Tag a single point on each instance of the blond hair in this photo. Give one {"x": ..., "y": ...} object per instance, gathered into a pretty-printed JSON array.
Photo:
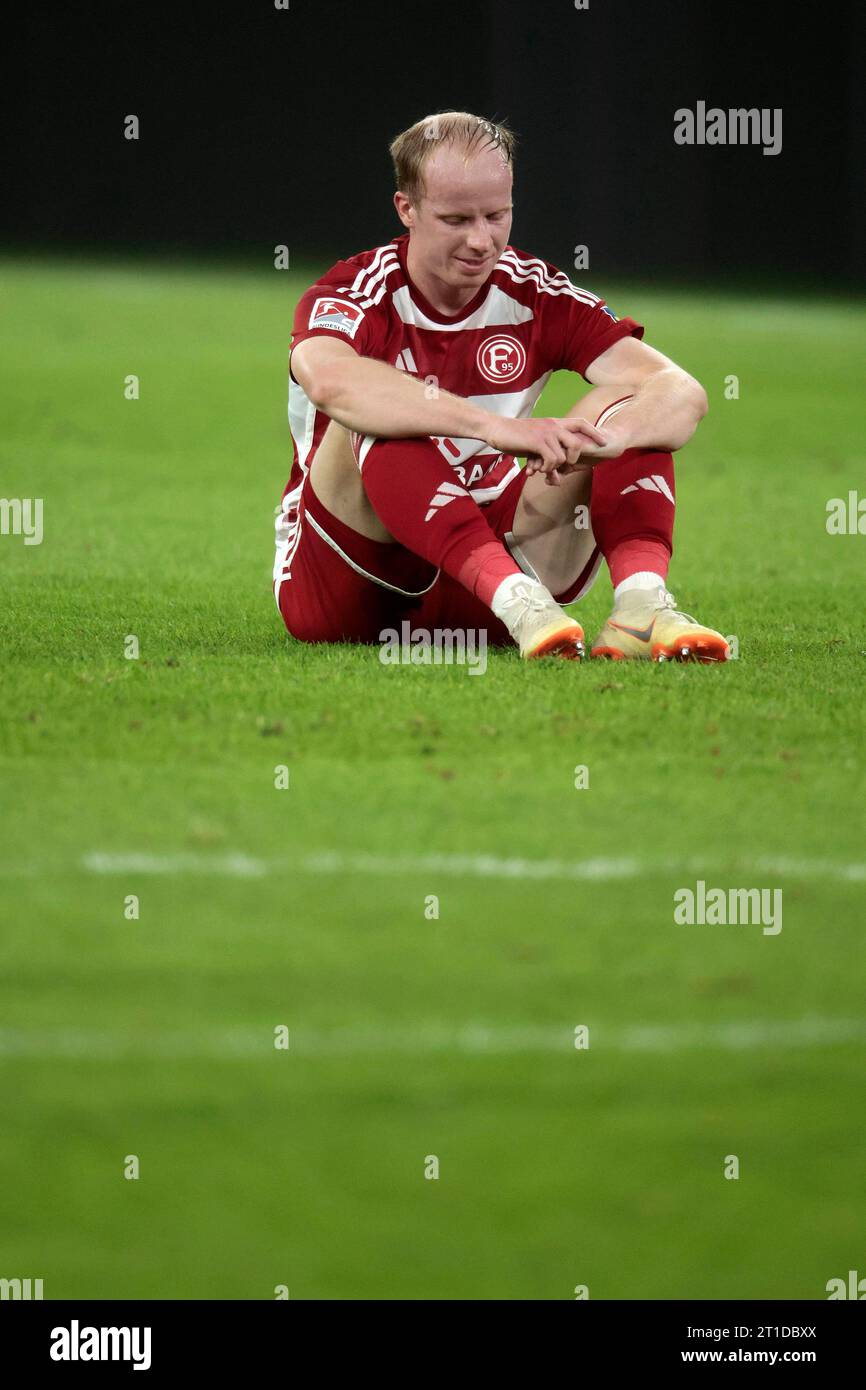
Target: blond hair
[{"x": 412, "y": 147}]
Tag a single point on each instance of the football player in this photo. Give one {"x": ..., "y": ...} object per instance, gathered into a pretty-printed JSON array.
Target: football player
[{"x": 414, "y": 371}]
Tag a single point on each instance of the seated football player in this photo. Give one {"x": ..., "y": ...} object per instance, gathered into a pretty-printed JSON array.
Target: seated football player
[{"x": 414, "y": 371}]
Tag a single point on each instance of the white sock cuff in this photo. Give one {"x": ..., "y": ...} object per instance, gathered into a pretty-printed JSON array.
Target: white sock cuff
[{"x": 644, "y": 579}]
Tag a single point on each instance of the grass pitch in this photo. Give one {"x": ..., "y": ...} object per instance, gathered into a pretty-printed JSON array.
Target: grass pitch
[{"x": 305, "y": 907}]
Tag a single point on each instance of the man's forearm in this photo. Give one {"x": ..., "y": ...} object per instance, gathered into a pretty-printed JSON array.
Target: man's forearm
[
  {"x": 371, "y": 397},
  {"x": 663, "y": 413}
]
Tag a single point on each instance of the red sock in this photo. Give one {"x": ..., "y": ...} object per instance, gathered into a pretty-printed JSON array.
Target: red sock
[
  {"x": 636, "y": 557},
  {"x": 416, "y": 495},
  {"x": 485, "y": 568},
  {"x": 632, "y": 510}
]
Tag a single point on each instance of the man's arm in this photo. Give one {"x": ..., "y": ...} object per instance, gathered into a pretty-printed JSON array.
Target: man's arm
[
  {"x": 665, "y": 408},
  {"x": 371, "y": 397},
  {"x": 667, "y": 403}
]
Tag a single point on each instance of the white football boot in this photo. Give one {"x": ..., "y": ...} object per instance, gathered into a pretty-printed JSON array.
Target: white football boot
[
  {"x": 646, "y": 624},
  {"x": 537, "y": 623}
]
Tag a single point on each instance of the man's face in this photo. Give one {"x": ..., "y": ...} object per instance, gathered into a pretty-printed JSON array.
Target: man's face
[{"x": 461, "y": 225}]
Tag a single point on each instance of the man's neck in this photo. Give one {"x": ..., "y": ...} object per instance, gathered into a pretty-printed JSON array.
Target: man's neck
[{"x": 445, "y": 298}]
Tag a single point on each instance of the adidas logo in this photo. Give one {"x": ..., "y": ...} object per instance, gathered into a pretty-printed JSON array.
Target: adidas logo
[
  {"x": 445, "y": 493},
  {"x": 654, "y": 484},
  {"x": 405, "y": 362}
]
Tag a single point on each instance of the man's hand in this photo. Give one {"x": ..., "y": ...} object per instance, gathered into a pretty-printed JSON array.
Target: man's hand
[
  {"x": 551, "y": 443},
  {"x": 594, "y": 446}
]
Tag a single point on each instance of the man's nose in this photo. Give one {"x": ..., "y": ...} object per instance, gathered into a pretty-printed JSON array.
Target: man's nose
[{"x": 479, "y": 237}]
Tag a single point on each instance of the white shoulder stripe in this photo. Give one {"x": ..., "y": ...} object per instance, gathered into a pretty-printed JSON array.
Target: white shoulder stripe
[
  {"x": 371, "y": 268},
  {"x": 367, "y": 280},
  {"x": 527, "y": 262},
  {"x": 523, "y": 268},
  {"x": 538, "y": 272},
  {"x": 375, "y": 288},
  {"x": 582, "y": 296},
  {"x": 366, "y": 298},
  {"x": 369, "y": 300}
]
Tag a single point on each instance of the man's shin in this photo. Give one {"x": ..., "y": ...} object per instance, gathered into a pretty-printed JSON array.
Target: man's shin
[{"x": 632, "y": 507}]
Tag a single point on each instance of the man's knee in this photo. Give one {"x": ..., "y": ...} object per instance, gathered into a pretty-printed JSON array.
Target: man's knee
[{"x": 337, "y": 482}]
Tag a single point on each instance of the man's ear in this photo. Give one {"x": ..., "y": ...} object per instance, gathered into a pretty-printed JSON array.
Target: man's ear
[{"x": 405, "y": 211}]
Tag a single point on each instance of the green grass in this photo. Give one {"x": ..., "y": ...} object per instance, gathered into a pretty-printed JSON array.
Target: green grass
[{"x": 155, "y": 1037}]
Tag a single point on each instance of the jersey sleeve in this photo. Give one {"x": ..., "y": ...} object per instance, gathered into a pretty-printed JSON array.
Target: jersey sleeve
[
  {"x": 579, "y": 327},
  {"x": 331, "y": 308}
]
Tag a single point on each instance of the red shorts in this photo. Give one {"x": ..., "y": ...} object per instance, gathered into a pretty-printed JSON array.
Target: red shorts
[{"x": 333, "y": 585}]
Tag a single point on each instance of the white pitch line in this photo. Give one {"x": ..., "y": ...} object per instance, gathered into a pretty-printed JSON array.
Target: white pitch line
[
  {"x": 235, "y": 864},
  {"x": 220, "y": 865},
  {"x": 852, "y": 873},
  {"x": 472, "y": 1039},
  {"x": 470, "y": 866},
  {"x": 332, "y": 862},
  {"x": 336, "y": 862}
]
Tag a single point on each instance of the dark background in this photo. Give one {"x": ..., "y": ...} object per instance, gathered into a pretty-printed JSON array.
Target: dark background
[{"x": 262, "y": 126}]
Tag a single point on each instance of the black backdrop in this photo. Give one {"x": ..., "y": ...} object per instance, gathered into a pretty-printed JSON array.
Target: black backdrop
[{"x": 262, "y": 126}]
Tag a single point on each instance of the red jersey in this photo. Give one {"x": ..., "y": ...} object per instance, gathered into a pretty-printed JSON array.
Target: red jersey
[{"x": 526, "y": 321}]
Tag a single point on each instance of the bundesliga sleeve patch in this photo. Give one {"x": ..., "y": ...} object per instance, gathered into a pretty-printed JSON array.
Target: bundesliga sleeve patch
[{"x": 340, "y": 314}]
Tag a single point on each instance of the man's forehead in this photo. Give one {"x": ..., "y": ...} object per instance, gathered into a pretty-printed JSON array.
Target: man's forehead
[{"x": 449, "y": 176}]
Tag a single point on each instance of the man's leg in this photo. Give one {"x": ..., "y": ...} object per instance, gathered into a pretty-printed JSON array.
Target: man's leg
[
  {"x": 631, "y": 504},
  {"x": 631, "y": 509},
  {"x": 551, "y": 531},
  {"x": 545, "y": 523},
  {"x": 416, "y": 496},
  {"x": 561, "y": 530},
  {"x": 333, "y": 584},
  {"x": 336, "y": 482}
]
